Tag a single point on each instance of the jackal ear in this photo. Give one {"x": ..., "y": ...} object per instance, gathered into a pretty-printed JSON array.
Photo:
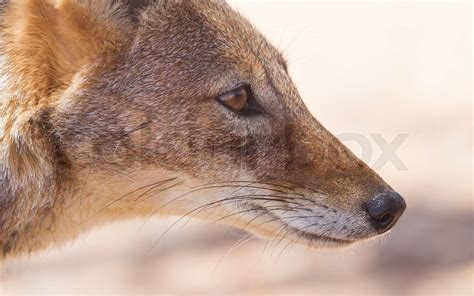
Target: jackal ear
[{"x": 48, "y": 41}]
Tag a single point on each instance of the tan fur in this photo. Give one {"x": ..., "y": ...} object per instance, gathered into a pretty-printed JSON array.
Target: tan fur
[
  {"x": 108, "y": 112},
  {"x": 46, "y": 46}
]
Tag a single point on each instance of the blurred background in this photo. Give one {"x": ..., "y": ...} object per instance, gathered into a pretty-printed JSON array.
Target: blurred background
[{"x": 362, "y": 68}]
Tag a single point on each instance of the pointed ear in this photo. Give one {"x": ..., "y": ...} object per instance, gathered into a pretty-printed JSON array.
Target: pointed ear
[{"x": 47, "y": 41}]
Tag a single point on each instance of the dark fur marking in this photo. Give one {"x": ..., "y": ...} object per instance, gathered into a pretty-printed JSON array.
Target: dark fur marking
[{"x": 134, "y": 7}]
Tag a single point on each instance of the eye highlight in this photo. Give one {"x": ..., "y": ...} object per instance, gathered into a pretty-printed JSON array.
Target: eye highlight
[{"x": 241, "y": 101}]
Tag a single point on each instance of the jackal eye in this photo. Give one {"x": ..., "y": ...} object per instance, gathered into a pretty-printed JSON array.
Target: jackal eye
[{"x": 240, "y": 100}]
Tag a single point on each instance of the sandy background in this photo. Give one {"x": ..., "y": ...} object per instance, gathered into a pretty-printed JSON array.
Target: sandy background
[{"x": 384, "y": 68}]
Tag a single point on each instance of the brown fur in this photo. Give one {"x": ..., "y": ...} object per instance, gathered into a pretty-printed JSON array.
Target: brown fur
[{"x": 109, "y": 112}]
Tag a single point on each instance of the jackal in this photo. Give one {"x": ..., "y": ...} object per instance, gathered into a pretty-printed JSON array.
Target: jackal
[{"x": 119, "y": 109}]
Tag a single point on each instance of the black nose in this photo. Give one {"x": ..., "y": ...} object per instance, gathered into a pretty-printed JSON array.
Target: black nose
[{"x": 385, "y": 209}]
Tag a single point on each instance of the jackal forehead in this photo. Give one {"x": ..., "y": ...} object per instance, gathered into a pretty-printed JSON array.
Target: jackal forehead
[{"x": 206, "y": 36}]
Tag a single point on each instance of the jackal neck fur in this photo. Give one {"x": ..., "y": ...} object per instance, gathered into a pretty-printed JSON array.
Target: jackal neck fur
[{"x": 44, "y": 47}]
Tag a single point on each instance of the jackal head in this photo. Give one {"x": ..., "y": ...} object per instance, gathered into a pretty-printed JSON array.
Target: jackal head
[{"x": 173, "y": 108}]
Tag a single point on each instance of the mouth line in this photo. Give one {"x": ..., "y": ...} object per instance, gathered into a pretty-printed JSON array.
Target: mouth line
[
  {"x": 309, "y": 236},
  {"x": 301, "y": 234},
  {"x": 312, "y": 236}
]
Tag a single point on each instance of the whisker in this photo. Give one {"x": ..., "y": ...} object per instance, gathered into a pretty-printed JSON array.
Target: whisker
[
  {"x": 291, "y": 217},
  {"x": 201, "y": 189},
  {"x": 217, "y": 203},
  {"x": 290, "y": 242},
  {"x": 270, "y": 208},
  {"x": 312, "y": 202},
  {"x": 262, "y": 183},
  {"x": 159, "y": 191},
  {"x": 277, "y": 185},
  {"x": 138, "y": 128},
  {"x": 299, "y": 185},
  {"x": 242, "y": 241},
  {"x": 154, "y": 185},
  {"x": 287, "y": 228}
]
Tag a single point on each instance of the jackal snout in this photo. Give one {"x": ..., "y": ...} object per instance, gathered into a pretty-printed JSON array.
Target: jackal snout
[{"x": 354, "y": 194}]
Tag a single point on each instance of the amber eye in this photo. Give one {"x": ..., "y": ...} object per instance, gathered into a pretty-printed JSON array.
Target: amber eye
[
  {"x": 236, "y": 100},
  {"x": 241, "y": 101}
]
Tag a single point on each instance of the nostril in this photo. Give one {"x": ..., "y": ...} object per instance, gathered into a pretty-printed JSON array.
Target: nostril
[
  {"x": 385, "y": 209},
  {"x": 386, "y": 219}
]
